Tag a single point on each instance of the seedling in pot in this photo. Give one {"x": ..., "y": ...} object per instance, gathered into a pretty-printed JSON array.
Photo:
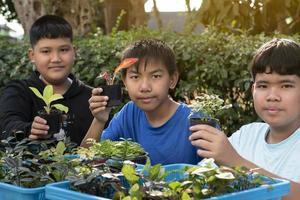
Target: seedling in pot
[
  {"x": 205, "y": 109},
  {"x": 113, "y": 91},
  {"x": 52, "y": 113}
]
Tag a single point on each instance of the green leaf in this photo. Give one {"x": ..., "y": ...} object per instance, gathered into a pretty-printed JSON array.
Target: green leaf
[
  {"x": 185, "y": 196},
  {"x": 60, "y": 148},
  {"x": 61, "y": 107},
  {"x": 36, "y": 92},
  {"x": 174, "y": 184},
  {"x": 155, "y": 171},
  {"x": 55, "y": 97},
  {"x": 47, "y": 93},
  {"x": 129, "y": 173}
]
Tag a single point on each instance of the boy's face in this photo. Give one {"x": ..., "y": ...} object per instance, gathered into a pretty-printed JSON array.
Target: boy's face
[
  {"x": 277, "y": 100},
  {"x": 53, "y": 59},
  {"x": 149, "y": 87}
]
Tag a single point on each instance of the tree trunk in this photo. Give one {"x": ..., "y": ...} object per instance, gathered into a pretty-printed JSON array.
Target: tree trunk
[
  {"x": 80, "y": 14},
  {"x": 137, "y": 15},
  {"x": 83, "y": 15},
  {"x": 157, "y": 15},
  {"x": 28, "y": 11}
]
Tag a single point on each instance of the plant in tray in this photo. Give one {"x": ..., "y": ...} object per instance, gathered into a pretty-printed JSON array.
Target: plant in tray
[
  {"x": 114, "y": 153},
  {"x": 112, "y": 90},
  {"x": 97, "y": 180},
  {"x": 32, "y": 164},
  {"x": 205, "y": 110},
  {"x": 52, "y": 113},
  {"x": 194, "y": 182}
]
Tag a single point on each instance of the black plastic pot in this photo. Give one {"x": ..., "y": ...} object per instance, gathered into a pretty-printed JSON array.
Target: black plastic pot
[
  {"x": 201, "y": 118},
  {"x": 54, "y": 121},
  {"x": 114, "y": 93}
]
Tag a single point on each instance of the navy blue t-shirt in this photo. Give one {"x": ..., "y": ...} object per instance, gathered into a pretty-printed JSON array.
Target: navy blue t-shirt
[{"x": 166, "y": 144}]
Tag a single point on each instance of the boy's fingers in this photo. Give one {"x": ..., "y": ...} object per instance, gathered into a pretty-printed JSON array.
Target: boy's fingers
[
  {"x": 203, "y": 144},
  {"x": 39, "y": 120},
  {"x": 97, "y": 91},
  {"x": 202, "y": 134},
  {"x": 40, "y": 126},
  {"x": 97, "y": 99},
  {"x": 40, "y": 131},
  {"x": 204, "y": 153}
]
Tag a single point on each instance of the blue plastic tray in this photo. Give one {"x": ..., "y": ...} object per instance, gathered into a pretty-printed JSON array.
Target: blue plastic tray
[
  {"x": 62, "y": 191},
  {"x": 12, "y": 192},
  {"x": 279, "y": 188}
]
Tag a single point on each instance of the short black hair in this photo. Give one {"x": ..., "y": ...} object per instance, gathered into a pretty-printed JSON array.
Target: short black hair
[
  {"x": 151, "y": 49},
  {"x": 51, "y": 27},
  {"x": 281, "y": 56}
]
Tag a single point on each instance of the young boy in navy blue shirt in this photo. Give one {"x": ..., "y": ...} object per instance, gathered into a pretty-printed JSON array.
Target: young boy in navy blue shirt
[{"x": 152, "y": 118}]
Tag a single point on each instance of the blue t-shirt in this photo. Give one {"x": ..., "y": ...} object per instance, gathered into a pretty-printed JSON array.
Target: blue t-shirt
[{"x": 166, "y": 144}]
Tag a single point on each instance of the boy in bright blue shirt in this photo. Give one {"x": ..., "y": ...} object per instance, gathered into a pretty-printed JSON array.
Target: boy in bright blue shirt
[{"x": 152, "y": 118}]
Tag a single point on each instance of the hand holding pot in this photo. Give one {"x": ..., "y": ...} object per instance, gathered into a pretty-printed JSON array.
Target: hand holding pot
[
  {"x": 213, "y": 143},
  {"x": 98, "y": 105},
  {"x": 39, "y": 128}
]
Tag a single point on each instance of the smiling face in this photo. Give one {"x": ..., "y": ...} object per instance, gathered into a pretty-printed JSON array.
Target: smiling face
[
  {"x": 149, "y": 86},
  {"x": 276, "y": 100},
  {"x": 53, "y": 59}
]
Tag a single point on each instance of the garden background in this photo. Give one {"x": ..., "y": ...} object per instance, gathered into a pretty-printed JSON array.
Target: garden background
[{"x": 214, "y": 60}]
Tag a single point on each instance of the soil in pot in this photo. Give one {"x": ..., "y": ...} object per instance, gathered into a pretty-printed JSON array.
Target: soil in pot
[
  {"x": 54, "y": 120},
  {"x": 114, "y": 92}
]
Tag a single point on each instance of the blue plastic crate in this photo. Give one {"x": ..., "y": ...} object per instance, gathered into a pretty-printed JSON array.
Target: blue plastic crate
[
  {"x": 62, "y": 191},
  {"x": 278, "y": 189},
  {"x": 9, "y": 192}
]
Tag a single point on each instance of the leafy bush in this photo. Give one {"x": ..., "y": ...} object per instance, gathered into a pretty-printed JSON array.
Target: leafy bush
[{"x": 209, "y": 62}]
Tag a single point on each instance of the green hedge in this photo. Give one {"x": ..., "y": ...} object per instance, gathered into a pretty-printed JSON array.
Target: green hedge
[{"x": 208, "y": 62}]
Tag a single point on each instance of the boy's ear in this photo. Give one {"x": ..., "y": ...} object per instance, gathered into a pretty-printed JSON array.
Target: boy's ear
[
  {"x": 31, "y": 55},
  {"x": 174, "y": 79}
]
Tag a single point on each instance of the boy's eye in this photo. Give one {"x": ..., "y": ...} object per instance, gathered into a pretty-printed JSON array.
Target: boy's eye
[
  {"x": 156, "y": 76},
  {"x": 133, "y": 77},
  {"x": 65, "y": 49},
  {"x": 261, "y": 86},
  {"x": 45, "y": 51},
  {"x": 287, "y": 86}
]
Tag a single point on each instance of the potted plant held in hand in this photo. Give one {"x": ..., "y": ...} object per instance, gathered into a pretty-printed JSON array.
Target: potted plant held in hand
[
  {"x": 52, "y": 113},
  {"x": 205, "y": 109},
  {"x": 113, "y": 91}
]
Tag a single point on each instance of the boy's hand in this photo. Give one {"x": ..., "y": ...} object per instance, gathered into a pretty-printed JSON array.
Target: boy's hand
[
  {"x": 39, "y": 128},
  {"x": 213, "y": 143},
  {"x": 98, "y": 105}
]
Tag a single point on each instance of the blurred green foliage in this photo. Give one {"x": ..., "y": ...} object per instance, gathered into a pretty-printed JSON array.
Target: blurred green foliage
[
  {"x": 210, "y": 62},
  {"x": 253, "y": 16}
]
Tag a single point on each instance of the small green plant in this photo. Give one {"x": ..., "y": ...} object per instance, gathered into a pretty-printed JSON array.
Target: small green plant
[
  {"x": 210, "y": 104},
  {"x": 48, "y": 97},
  {"x": 206, "y": 109},
  {"x": 118, "y": 150}
]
